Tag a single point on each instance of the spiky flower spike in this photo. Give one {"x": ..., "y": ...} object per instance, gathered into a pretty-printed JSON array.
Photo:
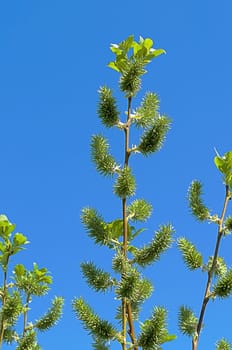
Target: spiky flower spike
[
  {"x": 223, "y": 344},
  {"x": 126, "y": 281},
  {"x": 218, "y": 275}
]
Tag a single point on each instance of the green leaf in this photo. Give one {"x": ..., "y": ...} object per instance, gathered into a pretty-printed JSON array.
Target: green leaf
[
  {"x": 135, "y": 233},
  {"x": 115, "y": 228},
  {"x": 34, "y": 282},
  {"x": 126, "y": 44},
  {"x": 148, "y": 43},
  {"x": 113, "y": 66},
  {"x": 19, "y": 239},
  {"x": 224, "y": 164},
  {"x": 2, "y": 247},
  {"x": 19, "y": 270},
  {"x": 169, "y": 337},
  {"x": 156, "y": 52},
  {"x": 6, "y": 227}
]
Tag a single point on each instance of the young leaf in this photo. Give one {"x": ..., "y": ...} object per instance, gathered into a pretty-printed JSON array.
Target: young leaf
[
  {"x": 34, "y": 282},
  {"x": 6, "y": 227},
  {"x": 224, "y": 164},
  {"x": 19, "y": 239}
]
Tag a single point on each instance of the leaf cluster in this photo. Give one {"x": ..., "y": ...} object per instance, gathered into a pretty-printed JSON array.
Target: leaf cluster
[
  {"x": 9, "y": 245},
  {"x": 131, "y": 57},
  {"x": 34, "y": 282},
  {"x": 224, "y": 164}
]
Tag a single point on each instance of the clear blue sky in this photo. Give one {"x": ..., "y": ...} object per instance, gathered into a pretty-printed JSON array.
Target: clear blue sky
[{"x": 53, "y": 57}]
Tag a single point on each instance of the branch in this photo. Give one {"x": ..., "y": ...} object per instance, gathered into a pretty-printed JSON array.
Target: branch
[{"x": 211, "y": 271}]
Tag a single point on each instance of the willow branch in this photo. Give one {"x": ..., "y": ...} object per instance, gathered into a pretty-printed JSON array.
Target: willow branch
[
  {"x": 25, "y": 315},
  {"x": 211, "y": 271}
]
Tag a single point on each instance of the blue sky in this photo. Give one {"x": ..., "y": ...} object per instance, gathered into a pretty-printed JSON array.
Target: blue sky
[{"x": 53, "y": 59}]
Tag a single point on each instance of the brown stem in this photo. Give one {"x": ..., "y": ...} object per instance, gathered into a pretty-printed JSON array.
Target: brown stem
[
  {"x": 25, "y": 315},
  {"x": 206, "y": 298},
  {"x": 126, "y": 306},
  {"x": 131, "y": 330}
]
